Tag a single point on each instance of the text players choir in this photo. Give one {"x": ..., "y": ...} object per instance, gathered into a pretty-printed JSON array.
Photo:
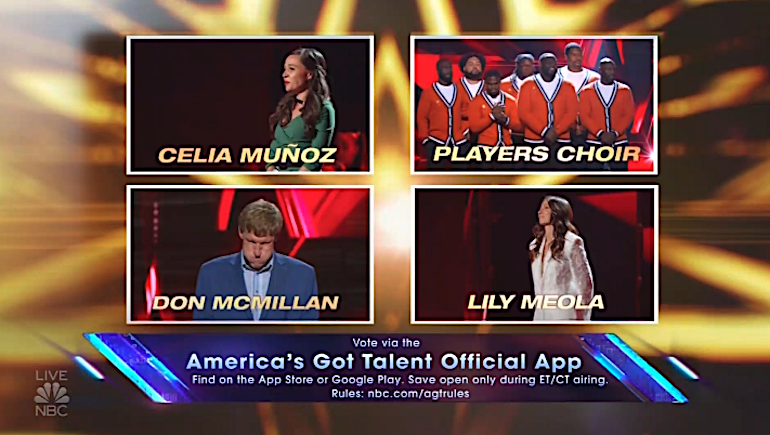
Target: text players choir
[{"x": 556, "y": 107}]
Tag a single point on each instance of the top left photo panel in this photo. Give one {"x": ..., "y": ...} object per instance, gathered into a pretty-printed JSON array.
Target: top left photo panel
[{"x": 249, "y": 104}]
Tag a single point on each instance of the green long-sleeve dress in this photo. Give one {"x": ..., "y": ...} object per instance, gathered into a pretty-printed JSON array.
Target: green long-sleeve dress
[{"x": 293, "y": 134}]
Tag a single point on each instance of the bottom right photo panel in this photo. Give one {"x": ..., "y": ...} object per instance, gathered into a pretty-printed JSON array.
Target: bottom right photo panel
[{"x": 535, "y": 254}]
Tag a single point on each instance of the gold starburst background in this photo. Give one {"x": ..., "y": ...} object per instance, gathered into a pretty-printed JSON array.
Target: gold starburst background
[{"x": 62, "y": 208}]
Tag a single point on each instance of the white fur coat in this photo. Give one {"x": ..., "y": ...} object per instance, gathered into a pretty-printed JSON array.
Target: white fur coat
[{"x": 570, "y": 275}]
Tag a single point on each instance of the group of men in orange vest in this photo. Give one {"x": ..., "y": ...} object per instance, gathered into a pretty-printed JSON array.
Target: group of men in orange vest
[{"x": 556, "y": 107}]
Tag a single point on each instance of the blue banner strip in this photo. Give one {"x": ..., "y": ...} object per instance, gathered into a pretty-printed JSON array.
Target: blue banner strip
[
  {"x": 141, "y": 367},
  {"x": 249, "y": 368},
  {"x": 630, "y": 368}
]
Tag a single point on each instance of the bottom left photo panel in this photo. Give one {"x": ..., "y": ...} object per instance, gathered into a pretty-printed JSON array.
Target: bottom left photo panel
[{"x": 249, "y": 255}]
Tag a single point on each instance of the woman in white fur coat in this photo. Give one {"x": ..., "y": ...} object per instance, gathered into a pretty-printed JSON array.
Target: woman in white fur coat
[{"x": 559, "y": 261}]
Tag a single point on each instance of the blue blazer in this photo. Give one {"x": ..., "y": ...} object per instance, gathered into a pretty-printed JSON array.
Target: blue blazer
[{"x": 223, "y": 276}]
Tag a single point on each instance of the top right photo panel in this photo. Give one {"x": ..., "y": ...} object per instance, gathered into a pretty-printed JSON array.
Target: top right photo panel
[{"x": 584, "y": 105}]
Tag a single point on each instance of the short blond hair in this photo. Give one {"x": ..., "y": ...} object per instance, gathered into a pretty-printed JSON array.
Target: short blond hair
[{"x": 261, "y": 218}]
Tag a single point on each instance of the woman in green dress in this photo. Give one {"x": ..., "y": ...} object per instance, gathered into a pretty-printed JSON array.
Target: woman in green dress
[{"x": 304, "y": 117}]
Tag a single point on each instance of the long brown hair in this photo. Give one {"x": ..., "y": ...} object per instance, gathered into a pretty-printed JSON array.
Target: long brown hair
[
  {"x": 561, "y": 219},
  {"x": 318, "y": 93}
]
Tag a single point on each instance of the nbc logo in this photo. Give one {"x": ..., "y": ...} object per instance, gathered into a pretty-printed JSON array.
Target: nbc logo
[{"x": 51, "y": 400}]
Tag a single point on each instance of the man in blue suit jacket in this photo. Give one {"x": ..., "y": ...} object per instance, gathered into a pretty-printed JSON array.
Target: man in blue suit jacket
[{"x": 257, "y": 271}]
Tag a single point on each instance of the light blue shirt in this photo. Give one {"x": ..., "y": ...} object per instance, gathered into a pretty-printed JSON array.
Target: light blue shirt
[{"x": 257, "y": 282}]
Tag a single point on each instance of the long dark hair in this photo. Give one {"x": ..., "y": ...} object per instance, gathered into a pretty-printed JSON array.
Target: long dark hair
[
  {"x": 318, "y": 93},
  {"x": 561, "y": 219}
]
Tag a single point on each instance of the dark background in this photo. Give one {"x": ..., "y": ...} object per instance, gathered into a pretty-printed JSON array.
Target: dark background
[
  {"x": 491, "y": 256},
  {"x": 211, "y": 92},
  {"x": 188, "y": 236}
]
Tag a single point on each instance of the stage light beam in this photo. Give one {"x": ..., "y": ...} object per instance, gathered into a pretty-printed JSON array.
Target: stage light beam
[
  {"x": 438, "y": 17},
  {"x": 109, "y": 17},
  {"x": 392, "y": 78},
  {"x": 731, "y": 89},
  {"x": 230, "y": 179},
  {"x": 82, "y": 266},
  {"x": 393, "y": 227},
  {"x": 231, "y": 17},
  {"x": 739, "y": 275},
  {"x": 336, "y": 17},
  {"x": 527, "y": 16},
  {"x": 67, "y": 94},
  {"x": 545, "y": 178}
]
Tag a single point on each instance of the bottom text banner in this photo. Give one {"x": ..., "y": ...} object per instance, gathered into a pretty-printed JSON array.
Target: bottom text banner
[{"x": 360, "y": 367}]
